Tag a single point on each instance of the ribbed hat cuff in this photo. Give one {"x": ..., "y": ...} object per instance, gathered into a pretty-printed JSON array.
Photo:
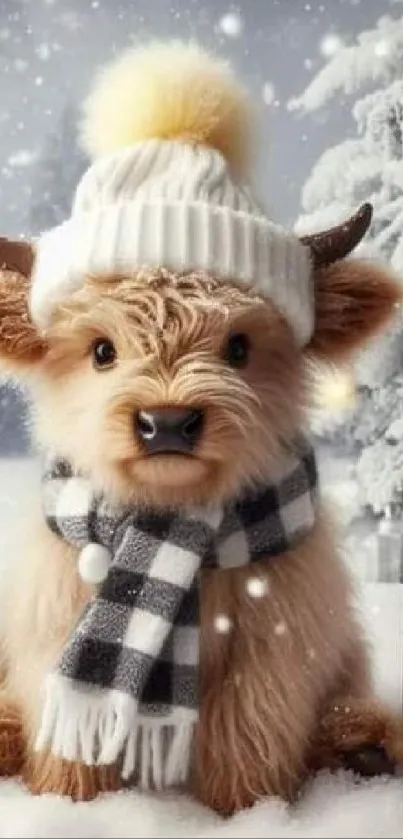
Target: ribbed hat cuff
[{"x": 181, "y": 236}]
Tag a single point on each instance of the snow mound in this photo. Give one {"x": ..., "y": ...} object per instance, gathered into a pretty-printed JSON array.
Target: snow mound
[{"x": 333, "y": 806}]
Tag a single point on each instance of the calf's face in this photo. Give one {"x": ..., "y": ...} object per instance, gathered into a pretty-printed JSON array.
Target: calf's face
[{"x": 170, "y": 388}]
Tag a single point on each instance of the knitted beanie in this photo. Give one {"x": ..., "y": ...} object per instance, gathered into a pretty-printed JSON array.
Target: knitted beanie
[{"x": 168, "y": 129}]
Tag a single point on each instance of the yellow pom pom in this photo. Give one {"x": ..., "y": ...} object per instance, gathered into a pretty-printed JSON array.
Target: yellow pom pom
[
  {"x": 336, "y": 390},
  {"x": 168, "y": 91}
]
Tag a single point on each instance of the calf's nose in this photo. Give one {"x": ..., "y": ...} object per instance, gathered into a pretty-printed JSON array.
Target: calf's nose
[{"x": 176, "y": 430}]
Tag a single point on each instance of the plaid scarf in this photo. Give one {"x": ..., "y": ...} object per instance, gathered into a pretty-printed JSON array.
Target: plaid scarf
[{"x": 126, "y": 686}]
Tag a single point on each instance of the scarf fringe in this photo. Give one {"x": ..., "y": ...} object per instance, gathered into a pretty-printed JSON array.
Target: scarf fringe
[{"x": 99, "y": 727}]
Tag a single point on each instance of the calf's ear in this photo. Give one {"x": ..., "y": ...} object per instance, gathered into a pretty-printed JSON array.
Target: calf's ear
[
  {"x": 21, "y": 346},
  {"x": 354, "y": 299}
]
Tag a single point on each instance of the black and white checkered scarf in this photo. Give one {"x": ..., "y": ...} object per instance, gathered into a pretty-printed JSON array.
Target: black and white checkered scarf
[{"x": 126, "y": 686}]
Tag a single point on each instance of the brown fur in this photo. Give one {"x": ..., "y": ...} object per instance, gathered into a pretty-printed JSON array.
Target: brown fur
[
  {"x": 169, "y": 333},
  {"x": 354, "y": 299},
  {"x": 352, "y": 724},
  {"x": 266, "y": 684},
  {"x": 43, "y": 774},
  {"x": 12, "y": 741},
  {"x": 269, "y": 685},
  {"x": 20, "y": 342}
]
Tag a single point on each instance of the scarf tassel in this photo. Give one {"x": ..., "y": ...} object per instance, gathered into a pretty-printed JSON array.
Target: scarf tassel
[{"x": 100, "y": 729}]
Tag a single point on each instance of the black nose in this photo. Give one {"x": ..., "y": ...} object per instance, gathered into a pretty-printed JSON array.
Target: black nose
[{"x": 169, "y": 429}]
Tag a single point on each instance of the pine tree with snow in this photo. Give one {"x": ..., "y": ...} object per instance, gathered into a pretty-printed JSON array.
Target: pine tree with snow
[
  {"x": 57, "y": 172},
  {"x": 366, "y": 167}
]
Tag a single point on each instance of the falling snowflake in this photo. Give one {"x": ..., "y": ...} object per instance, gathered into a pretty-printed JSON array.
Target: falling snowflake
[
  {"x": 21, "y": 158},
  {"x": 381, "y": 48},
  {"x": 311, "y": 653},
  {"x": 43, "y": 52},
  {"x": 268, "y": 93},
  {"x": 280, "y": 628},
  {"x": 39, "y": 81},
  {"x": 231, "y": 25},
  {"x": 330, "y": 44},
  {"x": 308, "y": 63},
  {"x": 257, "y": 586},
  {"x": 222, "y": 624},
  {"x": 4, "y": 34}
]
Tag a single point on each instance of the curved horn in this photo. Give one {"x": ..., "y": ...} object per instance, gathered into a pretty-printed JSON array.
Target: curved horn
[
  {"x": 16, "y": 256},
  {"x": 336, "y": 243}
]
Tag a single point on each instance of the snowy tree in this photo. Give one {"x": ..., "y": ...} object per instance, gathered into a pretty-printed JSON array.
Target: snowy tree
[
  {"x": 56, "y": 175},
  {"x": 366, "y": 167}
]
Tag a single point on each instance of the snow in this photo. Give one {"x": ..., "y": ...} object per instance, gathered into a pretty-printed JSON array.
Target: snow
[
  {"x": 365, "y": 167},
  {"x": 268, "y": 93},
  {"x": 22, "y": 158},
  {"x": 330, "y": 44},
  {"x": 222, "y": 624},
  {"x": 256, "y": 587},
  {"x": 331, "y": 807},
  {"x": 381, "y": 47},
  {"x": 231, "y": 25},
  {"x": 351, "y": 66},
  {"x": 43, "y": 51}
]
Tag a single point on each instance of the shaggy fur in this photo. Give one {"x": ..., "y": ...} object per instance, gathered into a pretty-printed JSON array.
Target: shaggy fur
[
  {"x": 270, "y": 686},
  {"x": 170, "y": 333},
  {"x": 349, "y": 303},
  {"x": 12, "y": 741},
  {"x": 44, "y": 774}
]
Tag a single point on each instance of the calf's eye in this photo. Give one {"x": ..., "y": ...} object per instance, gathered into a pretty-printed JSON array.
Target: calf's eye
[
  {"x": 103, "y": 354},
  {"x": 237, "y": 350}
]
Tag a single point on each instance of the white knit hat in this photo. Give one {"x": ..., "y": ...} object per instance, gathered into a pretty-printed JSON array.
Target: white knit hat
[{"x": 169, "y": 190}]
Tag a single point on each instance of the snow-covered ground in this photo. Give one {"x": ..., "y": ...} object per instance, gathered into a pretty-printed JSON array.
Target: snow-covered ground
[{"x": 335, "y": 806}]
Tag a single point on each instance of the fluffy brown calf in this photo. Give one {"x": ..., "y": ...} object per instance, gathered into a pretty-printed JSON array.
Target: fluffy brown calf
[{"x": 287, "y": 689}]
